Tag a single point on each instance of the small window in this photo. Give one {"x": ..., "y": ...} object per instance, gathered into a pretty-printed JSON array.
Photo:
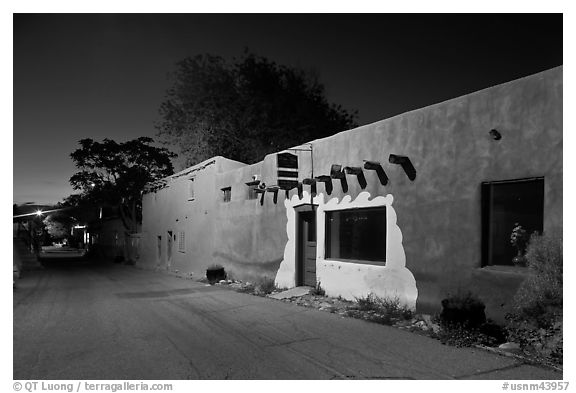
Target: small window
[
  {"x": 252, "y": 194},
  {"x": 505, "y": 204},
  {"x": 357, "y": 234},
  {"x": 159, "y": 248},
  {"x": 191, "y": 189},
  {"x": 227, "y": 194},
  {"x": 182, "y": 241}
]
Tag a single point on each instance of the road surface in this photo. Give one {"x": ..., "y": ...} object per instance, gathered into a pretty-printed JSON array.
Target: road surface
[{"x": 106, "y": 321}]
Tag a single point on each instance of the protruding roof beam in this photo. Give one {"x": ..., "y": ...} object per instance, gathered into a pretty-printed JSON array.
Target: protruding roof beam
[
  {"x": 336, "y": 173},
  {"x": 405, "y": 163},
  {"x": 375, "y": 166},
  {"x": 356, "y": 171},
  {"x": 312, "y": 183},
  {"x": 327, "y": 180}
]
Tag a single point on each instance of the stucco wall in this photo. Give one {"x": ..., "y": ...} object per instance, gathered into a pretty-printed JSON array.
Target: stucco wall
[
  {"x": 438, "y": 214},
  {"x": 453, "y": 153},
  {"x": 173, "y": 209}
]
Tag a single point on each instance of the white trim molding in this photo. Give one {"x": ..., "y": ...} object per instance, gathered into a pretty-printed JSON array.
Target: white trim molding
[{"x": 347, "y": 278}]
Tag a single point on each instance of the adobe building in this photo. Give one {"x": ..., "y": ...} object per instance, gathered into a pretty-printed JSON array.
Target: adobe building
[{"x": 417, "y": 206}]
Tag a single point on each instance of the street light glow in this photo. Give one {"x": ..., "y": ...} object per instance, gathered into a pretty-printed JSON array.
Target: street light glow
[{"x": 38, "y": 213}]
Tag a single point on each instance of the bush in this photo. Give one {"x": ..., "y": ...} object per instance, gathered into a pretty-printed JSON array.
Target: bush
[
  {"x": 536, "y": 320},
  {"x": 488, "y": 334},
  {"x": 539, "y": 298},
  {"x": 215, "y": 273},
  {"x": 463, "y": 322},
  {"x": 265, "y": 286},
  {"x": 462, "y": 309}
]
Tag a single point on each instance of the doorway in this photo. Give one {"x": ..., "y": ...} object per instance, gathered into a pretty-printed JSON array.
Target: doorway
[
  {"x": 306, "y": 248},
  {"x": 169, "y": 249}
]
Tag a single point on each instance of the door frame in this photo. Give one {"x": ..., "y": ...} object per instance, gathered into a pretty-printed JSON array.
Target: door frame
[{"x": 311, "y": 209}]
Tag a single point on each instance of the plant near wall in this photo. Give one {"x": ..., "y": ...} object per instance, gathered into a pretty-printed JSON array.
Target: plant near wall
[
  {"x": 463, "y": 322},
  {"x": 536, "y": 321},
  {"x": 384, "y": 310},
  {"x": 463, "y": 308},
  {"x": 264, "y": 286},
  {"x": 215, "y": 273}
]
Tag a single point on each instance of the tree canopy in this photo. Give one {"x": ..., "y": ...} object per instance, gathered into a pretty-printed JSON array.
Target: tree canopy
[
  {"x": 58, "y": 225},
  {"x": 115, "y": 174},
  {"x": 245, "y": 109}
]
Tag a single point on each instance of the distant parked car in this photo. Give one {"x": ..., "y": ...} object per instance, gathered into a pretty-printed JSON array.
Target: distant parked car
[{"x": 61, "y": 252}]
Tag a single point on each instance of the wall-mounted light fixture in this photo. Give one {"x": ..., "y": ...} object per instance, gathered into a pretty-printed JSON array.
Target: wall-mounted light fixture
[
  {"x": 405, "y": 163},
  {"x": 495, "y": 134},
  {"x": 375, "y": 166},
  {"x": 336, "y": 173},
  {"x": 356, "y": 171},
  {"x": 327, "y": 180}
]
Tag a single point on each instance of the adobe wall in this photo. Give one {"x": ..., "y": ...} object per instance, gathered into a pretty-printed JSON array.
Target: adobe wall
[
  {"x": 437, "y": 244},
  {"x": 449, "y": 144},
  {"x": 172, "y": 209}
]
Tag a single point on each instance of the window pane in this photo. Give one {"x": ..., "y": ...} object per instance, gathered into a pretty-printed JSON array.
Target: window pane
[
  {"x": 511, "y": 202},
  {"x": 358, "y": 234}
]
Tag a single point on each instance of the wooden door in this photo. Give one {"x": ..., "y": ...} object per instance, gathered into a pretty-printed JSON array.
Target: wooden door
[{"x": 307, "y": 248}]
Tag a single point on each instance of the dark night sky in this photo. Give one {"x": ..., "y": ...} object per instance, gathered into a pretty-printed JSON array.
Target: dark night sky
[{"x": 104, "y": 75}]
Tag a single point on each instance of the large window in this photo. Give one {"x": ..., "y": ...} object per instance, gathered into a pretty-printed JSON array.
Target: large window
[
  {"x": 356, "y": 234},
  {"x": 504, "y": 204}
]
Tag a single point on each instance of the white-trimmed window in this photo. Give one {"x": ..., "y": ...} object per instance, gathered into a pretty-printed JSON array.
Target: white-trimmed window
[{"x": 182, "y": 241}]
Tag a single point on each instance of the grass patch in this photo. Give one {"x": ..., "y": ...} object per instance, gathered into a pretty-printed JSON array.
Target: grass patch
[{"x": 380, "y": 310}]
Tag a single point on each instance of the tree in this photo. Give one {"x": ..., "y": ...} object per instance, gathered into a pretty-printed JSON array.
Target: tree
[
  {"x": 244, "y": 110},
  {"x": 115, "y": 174},
  {"x": 59, "y": 225}
]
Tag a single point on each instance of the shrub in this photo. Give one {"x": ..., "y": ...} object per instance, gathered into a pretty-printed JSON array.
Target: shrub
[
  {"x": 265, "y": 286},
  {"x": 215, "y": 273},
  {"x": 318, "y": 290},
  {"x": 247, "y": 288},
  {"x": 383, "y": 310},
  {"x": 536, "y": 319},
  {"x": 539, "y": 298},
  {"x": 488, "y": 334},
  {"x": 462, "y": 309}
]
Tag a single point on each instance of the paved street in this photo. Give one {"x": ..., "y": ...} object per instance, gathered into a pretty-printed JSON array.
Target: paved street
[{"x": 89, "y": 321}]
